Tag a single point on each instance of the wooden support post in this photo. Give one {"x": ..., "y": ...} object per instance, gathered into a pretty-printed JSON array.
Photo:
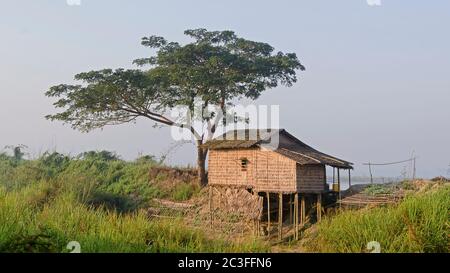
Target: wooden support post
[
  {"x": 349, "y": 179},
  {"x": 303, "y": 211},
  {"x": 258, "y": 221},
  {"x": 339, "y": 183},
  {"x": 211, "y": 206},
  {"x": 290, "y": 209},
  {"x": 296, "y": 216},
  {"x": 370, "y": 171},
  {"x": 319, "y": 207},
  {"x": 268, "y": 214},
  {"x": 280, "y": 216},
  {"x": 334, "y": 175}
]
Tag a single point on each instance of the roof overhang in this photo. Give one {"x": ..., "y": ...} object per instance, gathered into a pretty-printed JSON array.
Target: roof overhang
[{"x": 295, "y": 150}]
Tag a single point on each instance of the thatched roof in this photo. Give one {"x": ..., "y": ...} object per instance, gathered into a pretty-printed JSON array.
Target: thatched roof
[{"x": 280, "y": 141}]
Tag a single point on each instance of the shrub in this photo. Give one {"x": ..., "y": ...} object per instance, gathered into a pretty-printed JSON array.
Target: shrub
[
  {"x": 184, "y": 191},
  {"x": 377, "y": 189}
]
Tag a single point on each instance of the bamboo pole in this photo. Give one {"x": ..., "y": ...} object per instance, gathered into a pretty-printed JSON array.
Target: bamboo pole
[
  {"x": 211, "y": 206},
  {"x": 290, "y": 209},
  {"x": 258, "y": 221},
  {"x": 349, "y": 179},
  {"x": 303, "y": 210},
  {"x": 280, "y": 216},
  {"x": 268, "y": 214},
  {"x": 296, "y": 216},
  {"x": 319, "y": 207},
  {"x": 334, "y": 175},
  {"x": 339, "y": 183}
]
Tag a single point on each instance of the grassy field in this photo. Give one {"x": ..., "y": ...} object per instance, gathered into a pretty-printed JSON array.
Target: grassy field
[
  {"x": 102, "y": 202},
  {"x": 420, "y": 223},
  {"x": 99, "y": 201}
]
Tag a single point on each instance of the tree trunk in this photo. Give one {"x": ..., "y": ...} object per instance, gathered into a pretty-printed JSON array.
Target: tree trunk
[{"x": 201, "y": 164}]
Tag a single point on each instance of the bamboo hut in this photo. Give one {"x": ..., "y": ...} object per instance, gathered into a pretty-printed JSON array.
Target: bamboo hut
[{"x": 288, "y": 175}]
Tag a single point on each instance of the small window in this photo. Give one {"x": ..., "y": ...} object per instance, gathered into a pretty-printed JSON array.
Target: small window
[{"x": 244, "y": 164}]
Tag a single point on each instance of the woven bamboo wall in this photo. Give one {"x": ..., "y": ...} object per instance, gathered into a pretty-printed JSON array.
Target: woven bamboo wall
[
  {"x": 311, "y": 178},
  {"x": 275, "y": 173},
  {"x": 266, "y": 170},
  {"x": 224, "y": 167}
]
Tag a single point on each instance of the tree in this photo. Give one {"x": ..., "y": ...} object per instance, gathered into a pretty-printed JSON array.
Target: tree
[
  {"x": 17, "y": 151},
  {"x": 216, "y": 69}
]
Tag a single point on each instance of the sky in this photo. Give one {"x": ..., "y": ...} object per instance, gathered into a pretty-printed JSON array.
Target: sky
[{"x": 376, "y": 86}]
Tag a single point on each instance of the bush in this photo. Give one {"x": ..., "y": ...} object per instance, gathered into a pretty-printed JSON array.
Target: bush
[
  {"x": 377, "y": 189},
  {"x": 109, "y": 201},
  {"x": 184, "y": 191}
]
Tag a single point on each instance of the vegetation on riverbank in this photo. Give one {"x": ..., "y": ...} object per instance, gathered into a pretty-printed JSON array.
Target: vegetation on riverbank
[
  {"x": 420, "y": 223},
  {"x": 101, "y": 202}
]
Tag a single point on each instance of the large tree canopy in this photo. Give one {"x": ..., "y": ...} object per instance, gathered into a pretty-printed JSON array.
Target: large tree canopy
[
  {"x": 216, "y": 69},
  {"x": 220, "y": 66},
  {"x": 109, "y": 97}
]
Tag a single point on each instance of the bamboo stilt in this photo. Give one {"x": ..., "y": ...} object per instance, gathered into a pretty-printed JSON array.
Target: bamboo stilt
[
  {"x": 296, "y": 216},
  {"x": 339, "y": 186},
  {"x": 349, "y": 179},
  {"x": 319, "y": 207},
  {"x": 258, "y": 221},
  {"x": 211, "y": 206},
  {"x": 268, "y": 214},
  {"x": 303, "y": 210},
  {"x": 334, "y": 175},
  {"x": 280, "y": 216},
  {"x": 290, "y": 210}
]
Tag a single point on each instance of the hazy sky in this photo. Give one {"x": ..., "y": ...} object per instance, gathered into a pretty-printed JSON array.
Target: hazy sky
[{"x": 377, "y": 84}]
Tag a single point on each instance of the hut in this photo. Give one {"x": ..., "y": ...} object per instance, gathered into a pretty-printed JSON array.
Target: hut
[{"x": 278, "y": 168}]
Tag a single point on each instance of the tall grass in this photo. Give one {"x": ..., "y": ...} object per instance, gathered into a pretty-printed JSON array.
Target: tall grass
[
  {"x": 420, "y": 223},
  {"x": 36, "y": 219},
  {"x": 99, "y": 201},
  {"x": 98, "y": 178}
]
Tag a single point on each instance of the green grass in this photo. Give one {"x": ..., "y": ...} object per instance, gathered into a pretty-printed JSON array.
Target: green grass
[
  {"x": 418, "y": 224},
  {"x": 99, "y": 201},
  {"x": 377, "y": 189},
  {"x": 98, "y": 178},
  {"x": 44, "y": 218},
  {"x": 183, "y": 192},
  {"x": 102, "y": 201}
]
